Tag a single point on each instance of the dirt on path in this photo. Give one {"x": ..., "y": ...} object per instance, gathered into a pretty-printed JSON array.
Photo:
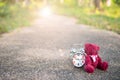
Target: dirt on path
[{"x": 41, "y": 52}]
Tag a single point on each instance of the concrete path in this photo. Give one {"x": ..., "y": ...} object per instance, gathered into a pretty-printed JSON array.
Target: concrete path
[{"x": 41, "y": 52}]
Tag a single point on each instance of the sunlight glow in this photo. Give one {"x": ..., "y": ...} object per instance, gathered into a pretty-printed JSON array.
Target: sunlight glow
[{"x": 45, "y": 12}]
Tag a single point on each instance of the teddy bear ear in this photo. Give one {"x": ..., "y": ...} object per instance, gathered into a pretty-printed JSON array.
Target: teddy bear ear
[
  {"x": 90, "y": 44},
  {"x": 97, "y": 47},
  {"x": 87, "y": 44}
]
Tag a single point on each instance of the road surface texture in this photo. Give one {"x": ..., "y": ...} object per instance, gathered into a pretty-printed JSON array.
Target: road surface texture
[{"x": 41, "y": 52}]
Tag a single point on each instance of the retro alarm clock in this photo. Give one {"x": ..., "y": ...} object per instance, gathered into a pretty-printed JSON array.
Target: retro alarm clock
[{"x": 78, "y": 57}]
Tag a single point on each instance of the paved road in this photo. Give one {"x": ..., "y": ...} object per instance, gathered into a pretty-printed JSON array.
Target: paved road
[{"x": 41, "y": 52}]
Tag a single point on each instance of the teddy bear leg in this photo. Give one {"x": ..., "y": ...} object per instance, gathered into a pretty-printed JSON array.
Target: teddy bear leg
[
  {"x": 89, "y": 68},
  {"x": 103, "y": 66}
]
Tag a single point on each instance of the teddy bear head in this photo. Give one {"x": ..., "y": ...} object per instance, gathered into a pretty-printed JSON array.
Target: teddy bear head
[{"x": 91, "y": 49}]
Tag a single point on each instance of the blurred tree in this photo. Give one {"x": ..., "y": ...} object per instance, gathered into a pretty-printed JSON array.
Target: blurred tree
[
  {"x": 61, "y": 1},
  {"x": 79, "y": 2},
  {"x": 70, "y": 3},
  {"x": 117, "y": 2},
  {"x": 84, "y": 3},
  {"x": 97, "y": 4},
  {"x": 27, "y": 2},
  {"x": 44, "y": 2},
  {"x": 108, "y": 3},
  {"x": 4, "y": 8},
  {"x": 17, "y": 1}
]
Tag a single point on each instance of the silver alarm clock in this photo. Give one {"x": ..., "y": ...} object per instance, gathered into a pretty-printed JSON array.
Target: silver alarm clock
[{"x": 78, "y": 57}]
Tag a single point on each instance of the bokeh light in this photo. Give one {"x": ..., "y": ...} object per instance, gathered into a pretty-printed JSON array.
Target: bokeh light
[{"x": 46, "y": 11}]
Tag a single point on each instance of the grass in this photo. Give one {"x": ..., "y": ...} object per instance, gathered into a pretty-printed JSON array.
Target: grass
[
  {"x": 108, "y": 19},
  {"x": 16, "y": 16}
]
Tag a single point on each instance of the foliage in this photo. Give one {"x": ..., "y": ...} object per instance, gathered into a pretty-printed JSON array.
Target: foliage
[
  {"x": 104, "y": 1},
  {"x": 12, "y": 17},
  {"x": 4, "y": 9},
  {"x": 70, "y": 2},
  {"x": 117, "y": 2},
  {"x": 103, "y": 20}
]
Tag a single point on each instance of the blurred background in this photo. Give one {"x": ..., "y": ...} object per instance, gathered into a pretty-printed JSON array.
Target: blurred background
[{"x": 102, "y": 14}]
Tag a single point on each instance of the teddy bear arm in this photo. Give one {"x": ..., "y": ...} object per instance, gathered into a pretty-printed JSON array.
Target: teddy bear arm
[
  {"x": 88, "y": 67},
  {"x": 99, "y": 62},
  {"x": 88, "y": 60},
  {"x": 99, "y": 59}
]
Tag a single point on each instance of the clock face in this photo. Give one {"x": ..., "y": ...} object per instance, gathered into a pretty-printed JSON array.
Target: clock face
[{"x": 78, "y": 60}]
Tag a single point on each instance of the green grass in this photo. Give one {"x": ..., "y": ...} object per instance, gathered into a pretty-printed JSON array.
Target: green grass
[
  {"x": 14, "y": 16},
  {"x": 108, "y": 19}
]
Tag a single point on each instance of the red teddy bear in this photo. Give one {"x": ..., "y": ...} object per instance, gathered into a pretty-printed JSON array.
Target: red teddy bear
[{"x": 93, "y": 60}]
